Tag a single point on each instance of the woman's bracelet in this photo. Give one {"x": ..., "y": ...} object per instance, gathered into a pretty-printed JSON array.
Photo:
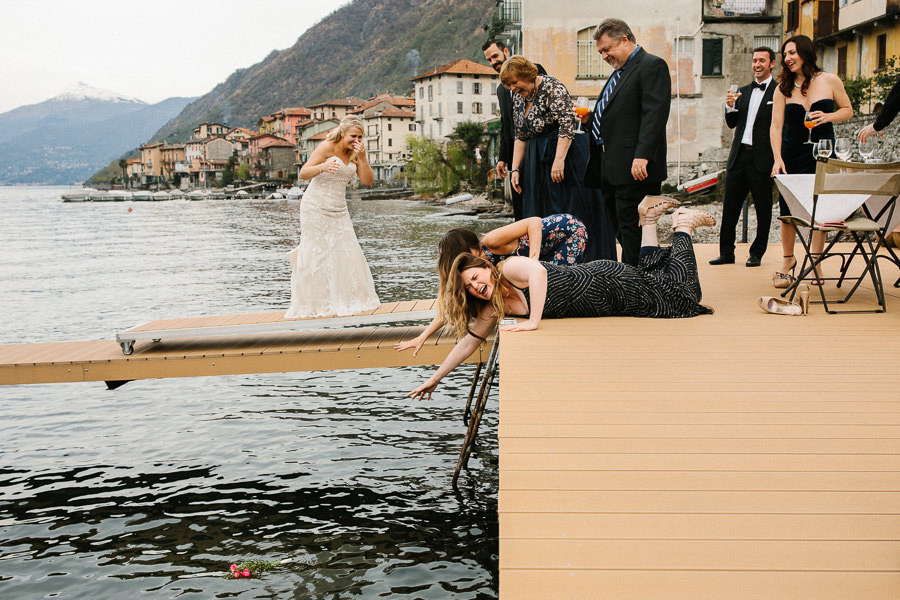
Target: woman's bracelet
[{"x": 514, "y": 171}]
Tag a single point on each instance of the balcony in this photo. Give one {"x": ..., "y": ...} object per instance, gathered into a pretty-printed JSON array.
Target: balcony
[
  {"x": 760, "y": 11},
  {"x": 510, "y": 12}
]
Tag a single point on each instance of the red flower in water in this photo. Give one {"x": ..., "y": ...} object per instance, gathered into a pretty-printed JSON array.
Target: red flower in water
[{"x": 246, "y": 573}]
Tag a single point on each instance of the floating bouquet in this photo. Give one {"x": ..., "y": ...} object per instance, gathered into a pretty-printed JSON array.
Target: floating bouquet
[{"x": 249, "y": 568}]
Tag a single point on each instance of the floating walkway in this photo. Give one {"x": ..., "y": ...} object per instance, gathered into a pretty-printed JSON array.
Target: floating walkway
[
  {"x": 226, "y": 345},
  {"x": 740, "y": 455}
]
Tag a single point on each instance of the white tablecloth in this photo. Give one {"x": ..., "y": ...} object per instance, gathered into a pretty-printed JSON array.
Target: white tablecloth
[{"x": 798, "y": 193}]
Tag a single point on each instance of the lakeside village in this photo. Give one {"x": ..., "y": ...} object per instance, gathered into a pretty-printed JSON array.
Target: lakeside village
[{"x": 221, "y": 161}]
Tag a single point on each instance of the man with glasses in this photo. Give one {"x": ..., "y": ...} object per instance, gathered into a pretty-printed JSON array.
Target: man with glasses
[{"x": 628, "y": 131}]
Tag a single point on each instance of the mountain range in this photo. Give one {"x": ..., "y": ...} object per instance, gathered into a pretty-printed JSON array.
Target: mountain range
[
  {"x": 361, "y": 49},
  {"x": 69, "y": 137}
]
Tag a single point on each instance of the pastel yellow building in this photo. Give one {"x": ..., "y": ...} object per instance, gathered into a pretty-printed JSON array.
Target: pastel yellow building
[{"x": 854, "y": 38}]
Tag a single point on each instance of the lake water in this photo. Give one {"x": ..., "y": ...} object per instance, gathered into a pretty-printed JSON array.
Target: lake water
[{"x": 140, "y": 491}]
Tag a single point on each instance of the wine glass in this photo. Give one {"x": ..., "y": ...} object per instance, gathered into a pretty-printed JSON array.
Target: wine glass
[
  {"x": 733, "y": 88},
  {"x": 843, "y": 147},
  {"x": 581, "y": 109},
  {"x": 823, "y": 148},
  {"x": 867, "y": 148},
  {"x": 809, "y": 123}
]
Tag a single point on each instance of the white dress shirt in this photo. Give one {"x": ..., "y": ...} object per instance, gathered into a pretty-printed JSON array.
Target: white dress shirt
[{"x": 756, "y": 97}]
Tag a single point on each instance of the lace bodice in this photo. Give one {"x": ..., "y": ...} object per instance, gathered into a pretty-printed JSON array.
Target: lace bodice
[{"x": 327, "y": 191}]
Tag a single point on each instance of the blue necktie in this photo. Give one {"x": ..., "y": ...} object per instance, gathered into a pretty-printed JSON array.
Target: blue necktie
[{"x": 601, "y": 105}]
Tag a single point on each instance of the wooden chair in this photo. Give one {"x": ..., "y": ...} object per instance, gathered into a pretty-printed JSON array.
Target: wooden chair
[{"x": 840, "y": 177}]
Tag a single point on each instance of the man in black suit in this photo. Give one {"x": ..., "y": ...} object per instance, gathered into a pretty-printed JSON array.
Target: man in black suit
[
  {"x": 749, "y": 113},
  {"x": 628, "y": 131},
  {"x": 496, "y": 53}
]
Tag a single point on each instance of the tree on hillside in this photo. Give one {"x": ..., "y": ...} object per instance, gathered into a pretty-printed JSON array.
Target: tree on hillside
[{"x": 123, "y": 164}]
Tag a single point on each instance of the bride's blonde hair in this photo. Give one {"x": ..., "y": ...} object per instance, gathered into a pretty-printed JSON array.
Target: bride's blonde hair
[
  {"x": 346, "y": 124},
  {"x": 456, "y": 306}
]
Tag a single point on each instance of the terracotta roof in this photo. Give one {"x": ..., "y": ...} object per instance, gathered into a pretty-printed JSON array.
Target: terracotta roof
[
  {"x": 132, "y": 161},
  {"x": 340, "y": 102},
  {"x": 152, "y": 145},
  {"x": 319, "y": 136},
  {"x": 459, "y": 66},
  {"x": 267, "y": 135},
  {"x": 393, "y": 112},
  {"x": 276, "y": 144},
  {"x": 296, "y": 111},
  {"x": 267, "y": 118}
]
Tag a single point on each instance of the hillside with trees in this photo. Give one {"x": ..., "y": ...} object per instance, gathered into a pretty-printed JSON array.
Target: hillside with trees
[{"x": 362, "y": 48}]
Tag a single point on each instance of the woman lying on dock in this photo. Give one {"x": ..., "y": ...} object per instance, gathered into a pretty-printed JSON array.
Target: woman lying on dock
[
  {"x": 476, "y": 294},
  {"x": 559, "y": 239}
]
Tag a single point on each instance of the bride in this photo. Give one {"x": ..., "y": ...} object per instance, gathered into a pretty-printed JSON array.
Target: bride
[{"x": 329, "y": 274}]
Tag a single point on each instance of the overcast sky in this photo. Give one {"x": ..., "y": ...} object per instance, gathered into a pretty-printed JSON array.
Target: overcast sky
[{"x": 150, "y": 50}]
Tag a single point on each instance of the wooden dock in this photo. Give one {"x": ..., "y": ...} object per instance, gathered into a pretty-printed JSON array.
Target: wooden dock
[
  {"x": 102, "y": 360},
  {"x": 740, "y": 455}
]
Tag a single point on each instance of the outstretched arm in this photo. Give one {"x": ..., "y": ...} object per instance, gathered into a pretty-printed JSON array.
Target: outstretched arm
[
  {"x": 504, "y": 240},
  {"x": 417, "y": 342},
  {"x": 461, "y": 351}
]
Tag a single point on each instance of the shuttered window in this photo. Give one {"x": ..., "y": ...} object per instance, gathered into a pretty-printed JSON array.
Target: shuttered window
[{"x": 712, "y": 57}]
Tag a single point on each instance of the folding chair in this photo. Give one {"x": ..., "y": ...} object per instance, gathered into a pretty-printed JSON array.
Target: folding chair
[{"x": 839, "y": 177}]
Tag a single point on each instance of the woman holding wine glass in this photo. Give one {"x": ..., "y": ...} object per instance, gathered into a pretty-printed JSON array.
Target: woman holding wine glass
[
  {"x": 549, "y": 158},
  {"x": 806, "y": 103}
]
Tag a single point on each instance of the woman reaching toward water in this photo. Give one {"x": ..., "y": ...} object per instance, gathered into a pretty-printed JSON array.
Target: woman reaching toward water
[
  {"x": 329, "y": 273},
  {"x": 476, "y": 294},
  {"x": 559, "y": 239}
]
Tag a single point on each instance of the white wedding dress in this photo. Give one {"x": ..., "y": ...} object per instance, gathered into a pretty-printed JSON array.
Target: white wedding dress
[{"x": 329, "y": 273}]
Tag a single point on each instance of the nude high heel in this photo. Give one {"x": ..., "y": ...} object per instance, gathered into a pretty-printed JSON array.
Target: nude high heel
[
  {"x": 803, "y": 295},
  {"x": 779, "y": 306},
  {"x": 652, "y": 208},
  {"x": 692, "y": 219},
  {"x": 784, "y": 280}
]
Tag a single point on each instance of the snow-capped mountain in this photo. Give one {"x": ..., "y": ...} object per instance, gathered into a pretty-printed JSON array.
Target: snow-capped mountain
[
  {"x": 81, "y": 91},
  {"x": 70, "y": 136}
]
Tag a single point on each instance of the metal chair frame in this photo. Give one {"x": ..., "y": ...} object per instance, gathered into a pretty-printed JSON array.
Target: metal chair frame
[{"x": 858, "y": 228}]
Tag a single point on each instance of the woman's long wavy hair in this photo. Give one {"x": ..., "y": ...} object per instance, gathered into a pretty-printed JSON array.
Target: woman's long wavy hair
[
  {"x": 456, "y": 305},
  {"x": 807, "y": 52},
  {"x": 346, "y": 124}
]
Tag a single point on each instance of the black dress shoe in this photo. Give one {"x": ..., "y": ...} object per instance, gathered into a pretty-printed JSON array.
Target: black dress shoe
[
  {"x": 724, "y": 259},
  {"x": 754, "y": 261}
]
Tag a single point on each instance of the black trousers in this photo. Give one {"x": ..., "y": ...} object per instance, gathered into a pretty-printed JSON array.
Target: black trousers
[
  {"x": 744, "y": 177},
  {"x": 621, "y": 208}
]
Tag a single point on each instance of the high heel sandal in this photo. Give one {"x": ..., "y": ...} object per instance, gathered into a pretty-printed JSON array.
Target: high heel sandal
[
  {"x": 803, "y": 295},
  {"x": 779, "y": 306},
  {"x": 652, "y": 208},
  {"x": 784, "y": 280},
  {"x": 692, "y": 219}
]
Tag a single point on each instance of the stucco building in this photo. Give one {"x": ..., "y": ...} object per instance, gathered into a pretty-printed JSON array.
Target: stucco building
[
  {"x": 854, "y": 38},
  {"x": 707, "y": 43},
  {"x": 459, "y": 91}
]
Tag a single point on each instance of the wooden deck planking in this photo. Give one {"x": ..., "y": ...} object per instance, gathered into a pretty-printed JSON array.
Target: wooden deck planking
[
  {"x": 738, "y": 455},
  {"x": 220, "y": 355}
]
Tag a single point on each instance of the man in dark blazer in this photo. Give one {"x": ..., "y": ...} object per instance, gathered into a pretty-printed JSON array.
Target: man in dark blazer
[
  {"x": 496, "y": 53},
  {"x": 628, "y": 131},
  {"x": 749, "y": 113}
]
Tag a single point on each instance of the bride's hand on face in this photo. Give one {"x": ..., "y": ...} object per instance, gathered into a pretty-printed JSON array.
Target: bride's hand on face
[{"x": 357, "y": 147}]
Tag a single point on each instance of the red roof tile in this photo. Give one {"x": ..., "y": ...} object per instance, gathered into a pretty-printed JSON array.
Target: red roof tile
[{"x": 461, "y": 66}]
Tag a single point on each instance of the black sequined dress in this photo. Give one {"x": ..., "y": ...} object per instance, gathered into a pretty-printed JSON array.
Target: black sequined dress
[{"x": 664, "y": 285}]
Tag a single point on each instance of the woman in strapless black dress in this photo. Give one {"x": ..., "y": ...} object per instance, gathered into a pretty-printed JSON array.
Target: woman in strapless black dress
[{"x": 802, "y": 87}]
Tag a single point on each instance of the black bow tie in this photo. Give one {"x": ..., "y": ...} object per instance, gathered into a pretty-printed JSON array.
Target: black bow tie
[{"x": 761, "y": 86}]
